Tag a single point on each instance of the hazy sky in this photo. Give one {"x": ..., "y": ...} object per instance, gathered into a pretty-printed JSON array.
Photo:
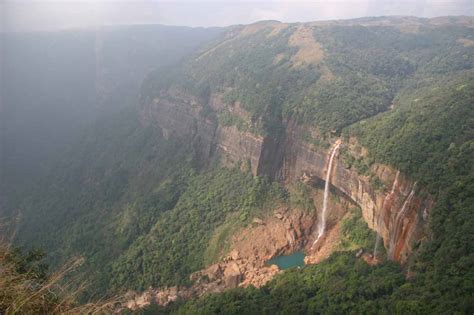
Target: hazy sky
[{"x": 61, "y": 14}]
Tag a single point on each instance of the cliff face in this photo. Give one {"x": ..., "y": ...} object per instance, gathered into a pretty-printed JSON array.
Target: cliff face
[{"x": 398, "y": 215}]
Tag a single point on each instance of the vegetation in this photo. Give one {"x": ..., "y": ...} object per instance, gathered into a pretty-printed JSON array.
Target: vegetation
[
  {"x": 359, "y": 75},
  {"x": 175, "y": 246},
  {"x": 300, "y": 197},
  {"x": 427, "y": 135},
  {"x": 143, "y": 210},
  {"x": 105, "y": 192},
  {"x": 428, "y": 132},
  {"x": 27, "y": 288},
  {"x": 355, "y": 233},
  {"x": 138, "y": 208},
  {"x": 60, "y": 82},
  {"x": 430, "y": 136},
  {"x": 226, "y": 118},
  {"x": 341, "y": 284}
]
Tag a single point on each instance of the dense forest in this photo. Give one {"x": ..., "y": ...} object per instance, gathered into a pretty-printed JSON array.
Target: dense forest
[
  {"x": 143, "y": 209},
  {"x": 429, "y": 134}
]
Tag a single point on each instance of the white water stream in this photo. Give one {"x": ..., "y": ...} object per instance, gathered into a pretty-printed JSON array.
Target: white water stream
[{"x": 322, "y": 222}]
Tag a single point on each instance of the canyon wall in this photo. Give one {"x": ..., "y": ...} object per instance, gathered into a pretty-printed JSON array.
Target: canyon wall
[
  {"x": 399, "y": 217},
  {"x": 404, "y": 217}
]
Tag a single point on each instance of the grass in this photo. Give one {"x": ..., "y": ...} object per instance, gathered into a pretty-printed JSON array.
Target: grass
[{"x": 26, "y": 288}]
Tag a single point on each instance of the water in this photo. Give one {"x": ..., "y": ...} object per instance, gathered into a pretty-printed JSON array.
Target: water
[
  {"x": 322, "y": 224},
  {"x": 386, "y": 206},
  {"x": 289, "y": 261},
  {"x": 398, "y": 220}
]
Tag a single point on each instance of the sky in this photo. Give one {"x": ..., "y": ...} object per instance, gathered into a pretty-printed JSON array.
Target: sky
[{"x": 27, "y": 15}]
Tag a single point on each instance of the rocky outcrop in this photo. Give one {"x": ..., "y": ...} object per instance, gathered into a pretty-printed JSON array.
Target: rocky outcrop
[
  {"x": 403, "y": 231},
  {"x": 397, "y": 211},
  {"x": 281, "y": 232},
  {"x": 289, "y": 157},
  {"x": 326, "y": 245}
]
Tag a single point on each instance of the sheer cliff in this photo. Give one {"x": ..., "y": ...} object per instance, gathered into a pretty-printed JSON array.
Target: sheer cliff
[
  {"x": 278, "y": 104},
  {"x": 394, "y": 92},
  {"x": 225, "y": 163}
]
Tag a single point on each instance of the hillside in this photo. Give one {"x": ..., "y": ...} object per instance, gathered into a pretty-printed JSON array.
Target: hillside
[{"x": 233, "y": 147}]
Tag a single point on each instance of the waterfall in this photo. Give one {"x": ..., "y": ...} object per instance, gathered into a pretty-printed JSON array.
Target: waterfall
[
  {"x": 322, "y": 223},
  {"x": 386, "y": 202},
  {"x": 398, "y": 219}
]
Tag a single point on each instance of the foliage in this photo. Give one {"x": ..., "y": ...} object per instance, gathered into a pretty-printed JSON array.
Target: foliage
[
  {"x": 27, "y": 288},
  {"x": 424, "y": 136},
  {"x": 341, "y": 284},
  {"x": 361, "y": 71},
  {"x": 226, "y": 118},
  {"x": 175, "y": 246},
  {"x": 144, "y": 212},
  {"x": 127, "y": 199},
  {"x": 300, "y": 197},
  {"x": 104, "y": 193},
  {"x": 61, "y": 82},
  {"x": 429, "y": 136},
  {"x": 355, "y": 232}
]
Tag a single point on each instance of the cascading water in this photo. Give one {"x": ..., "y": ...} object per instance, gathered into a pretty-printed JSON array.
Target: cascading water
[
  {"x": 386, "y": 206},
  {"x": 396, "y": 225},
  {"x": 322, "y": 223}
]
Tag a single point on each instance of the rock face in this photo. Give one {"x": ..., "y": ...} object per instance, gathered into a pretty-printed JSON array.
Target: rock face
[
  {"x": 181, "y": 116},
  {"x": 289, "y": 158},
  {"x": 400, "y": 231},
  {"x": 281, "y": 232},
  {"x": 398, "y": 212}
]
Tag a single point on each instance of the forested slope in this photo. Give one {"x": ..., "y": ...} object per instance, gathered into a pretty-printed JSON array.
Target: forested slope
[
  {"x": 428, "y": 134},
  {"x": 141, "y": 206}
]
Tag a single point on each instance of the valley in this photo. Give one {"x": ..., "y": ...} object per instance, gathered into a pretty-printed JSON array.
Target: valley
[{"x": 346, "y": 145}]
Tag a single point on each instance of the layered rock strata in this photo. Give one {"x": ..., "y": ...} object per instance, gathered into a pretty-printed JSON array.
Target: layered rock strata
[{"x": 289, "y": 157}]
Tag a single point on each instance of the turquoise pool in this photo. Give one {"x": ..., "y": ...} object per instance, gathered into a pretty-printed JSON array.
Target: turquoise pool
[{"x": 289, "y": 261}]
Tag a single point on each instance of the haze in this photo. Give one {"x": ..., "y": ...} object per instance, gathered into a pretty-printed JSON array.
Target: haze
[{"x": 33, "y": 15}]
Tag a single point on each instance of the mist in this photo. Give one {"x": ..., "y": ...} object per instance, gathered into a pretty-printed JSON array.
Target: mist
[{"x": 34, "y": 15}]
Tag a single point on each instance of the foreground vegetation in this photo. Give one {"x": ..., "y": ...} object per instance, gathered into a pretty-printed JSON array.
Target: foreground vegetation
[{"x": 26, "y": 287}]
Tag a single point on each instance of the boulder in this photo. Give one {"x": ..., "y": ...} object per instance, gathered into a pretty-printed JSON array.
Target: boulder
[
  {"x": 258, "y": 221},
  {"x": 213, "y": 272},
  {"x": 232, "y": 275},
  {"x": 234, "y": 254}
]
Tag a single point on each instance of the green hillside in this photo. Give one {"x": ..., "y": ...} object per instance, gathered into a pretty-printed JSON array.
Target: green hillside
[
  {"x": 141, "y": 209},
  {"x": 430, "y": 135}
]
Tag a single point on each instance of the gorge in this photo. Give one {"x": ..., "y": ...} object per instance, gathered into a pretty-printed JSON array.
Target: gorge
[
  {"x": 299, "y": 160},
  {"x": 345, "y": 144},
  {"x": 398, "y": 216}
]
